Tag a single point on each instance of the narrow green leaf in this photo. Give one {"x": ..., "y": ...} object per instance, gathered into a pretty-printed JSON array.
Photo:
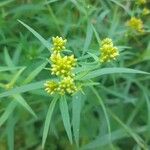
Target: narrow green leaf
[
  {"x": 76, "y": 110},
  {"x": 22, "y": 101},
  {"x": 48, "y": 120},
  {"x": 96, "y": 34},
  {"x": 6, "y": 2},
  {"x": 65, "y": 117},
  {"x": 105, "y": 113},
  {"x": 16, "y": 76},
  {"x": 103, "y": 71},
  {"x": 10, "y": 132},
  {"x": 37, "y": 35},
  {"x": 9, "y": 68},
  {"x": 135, "y": 136},
  {"x": 34, "y": 73},
  {"x": 24, "y": 88},
  {"x": 10, "y": 108},
  {"x": 89, "y": 35},
  {"x": 7, "y": 58}
]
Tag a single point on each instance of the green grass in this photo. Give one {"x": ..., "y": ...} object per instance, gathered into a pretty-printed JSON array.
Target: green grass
[{"x": 112, "y": 108}]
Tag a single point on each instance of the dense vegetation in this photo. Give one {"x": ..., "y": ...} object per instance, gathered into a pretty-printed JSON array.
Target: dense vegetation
[{"x": 101, "y": 101}]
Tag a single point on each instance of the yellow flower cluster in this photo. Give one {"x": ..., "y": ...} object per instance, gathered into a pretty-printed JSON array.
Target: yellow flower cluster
[
  {"x": 136, "y": 24},
  {"x": 141, "y": 2},
  {"x": 108, "y": 51},
  {"x": 146, "y": 11},
  {"x": 62, "y": 67},
  {"x": 58, "y": 44}
]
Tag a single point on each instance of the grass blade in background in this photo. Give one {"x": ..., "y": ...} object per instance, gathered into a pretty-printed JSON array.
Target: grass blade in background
[
  {"x": 48, "y": 120},
  {"x": 76, "y": 110},
  {"x": 65, "y": 117},
  {"x": 8, "y": 111},
  {"x": 22, "y": 89},
  {"x": 37, "y": 35},
  {"x": 22, "y": 101},
  {"x": 104, "y": 71},
  {"x": 34, "y": 73}
]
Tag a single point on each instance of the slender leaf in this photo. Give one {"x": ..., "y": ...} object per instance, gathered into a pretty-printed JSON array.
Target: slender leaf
[
  {"x": 37, "y": 35},
  {"x": 22, "y": 101},
  {"x": 48, "y": 120},
  {"x": 65, "y": 117},
  {"x": 104, "y": 71},
  {"x": 9, "y": 68},
  {"x": 24, "y": 88},
  {"x": 10, "y": 108},
  {"x": 34, "y": 73},
  {"x": 76, "y": 110}
]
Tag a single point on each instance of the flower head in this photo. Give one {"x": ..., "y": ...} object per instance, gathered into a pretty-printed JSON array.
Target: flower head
[
  {"x": 62, "y": 66},
  {"x": 51, "y": 87},
  {"x": 136, "y": 24},
  {"x": 58, "y": 44},
  {"x": 67, "y": 85},
  {"x": 108, "y": 51},
  {"x": 146, "y": 11},
  {"x": 141, "y": 2}
]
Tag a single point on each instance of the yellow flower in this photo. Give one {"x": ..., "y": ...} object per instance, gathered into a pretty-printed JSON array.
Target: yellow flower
[
  {"x": 51, "y": 87},
  {"x": 58, "y": 44},
  {"x": 62, "y": 66},
  {"x": 136, "y": 24},
  {"x": 108, "y": 51},
  {"x": 146, "y": 11},
  {"x": 67, "y": 85},
  {"x": 141, "y": 2}
]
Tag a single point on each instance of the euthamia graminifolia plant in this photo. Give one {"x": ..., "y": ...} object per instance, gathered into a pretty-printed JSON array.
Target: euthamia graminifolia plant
[
  {"x": 70, "y": 76},
  {"x": 62, "y": 66}
]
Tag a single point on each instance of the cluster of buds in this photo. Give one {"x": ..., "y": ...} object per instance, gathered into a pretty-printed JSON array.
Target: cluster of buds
[
  {"x": 136, "y": 24},
  {"x": 108, "y": 51},
  {"x": 62, "y": 67}
]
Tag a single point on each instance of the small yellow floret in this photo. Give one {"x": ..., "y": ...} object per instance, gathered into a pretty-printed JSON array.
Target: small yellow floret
[
  {"x": 108, "y": 51},
  {"x": 67, "y": 85},
  {"x": 141, "y": 2},
  {"x": 136, "y": 24},
  {"x": 51, "y": 87},
  {"x": 146, "y": 11},
  {"x": 62, "y": 66},
  {"x": 58, "y": 44}
]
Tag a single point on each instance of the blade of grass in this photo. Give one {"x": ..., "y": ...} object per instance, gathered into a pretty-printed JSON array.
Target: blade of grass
[
  {"x": 89, "y": 35},
  {"x": 6, "y": 2},
  {"x": 65, "y": 117},
  {"x": 48, "y": 120},
  {"x": 24, "y": 88},
  {"x": 105, "y": 113},
  {"x": 9, "y": 68},
  {"x": 104, "y": 71},
  {"x": 137, "y": 138},
  {"x": 76, "y": 110},
  {"x": 8, "y": 111},
  {"x": 37, "y": 35},
  {"x": 34, "y": 73},
  {"x": 22, "y": 101}
]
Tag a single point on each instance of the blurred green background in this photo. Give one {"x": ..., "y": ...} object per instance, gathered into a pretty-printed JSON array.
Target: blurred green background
[{"x": 81, "y": 22}]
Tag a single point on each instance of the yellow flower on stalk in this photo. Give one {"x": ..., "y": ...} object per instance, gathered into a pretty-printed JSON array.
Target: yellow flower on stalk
[
  {"x": 67, "y": 85},
  {"x": 108, "y": 51},
  {"x": 146, "y": 11},
  {"x": 51, "y": 87},
  {"x": 62, "y": 66},
  {"x": 58, "y": 44},
  {"x": 136, "y": 24},
  {"x": 141, "y": 2}
]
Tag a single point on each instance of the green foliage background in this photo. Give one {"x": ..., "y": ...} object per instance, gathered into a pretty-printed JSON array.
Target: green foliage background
[{"x": 111, "y": 112}]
